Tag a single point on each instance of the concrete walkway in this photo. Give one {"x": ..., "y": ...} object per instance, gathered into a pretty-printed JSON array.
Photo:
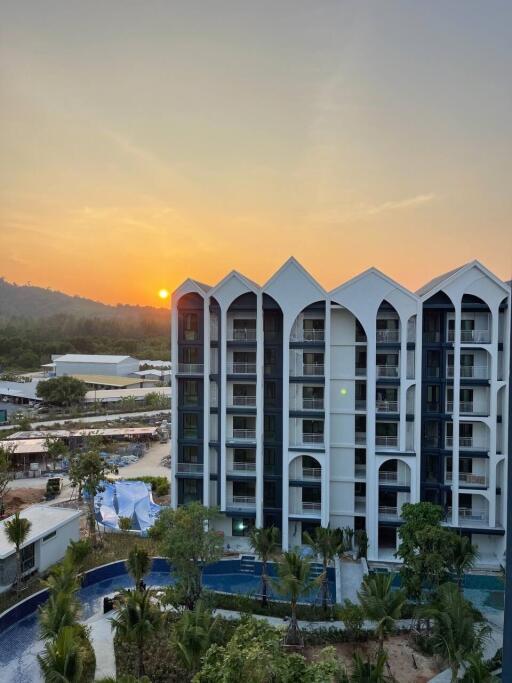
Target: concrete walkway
[{"x": 102, "y": 639}]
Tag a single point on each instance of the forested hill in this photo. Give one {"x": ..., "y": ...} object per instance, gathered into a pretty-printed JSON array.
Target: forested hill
[{"x": 26, "y": 301}]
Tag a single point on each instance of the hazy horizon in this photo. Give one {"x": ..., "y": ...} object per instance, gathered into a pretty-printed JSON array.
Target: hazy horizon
[{"x": 144, "y": 143}]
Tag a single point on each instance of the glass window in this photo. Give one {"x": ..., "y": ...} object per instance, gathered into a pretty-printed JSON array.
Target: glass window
[{"x": 191, "y": 326}]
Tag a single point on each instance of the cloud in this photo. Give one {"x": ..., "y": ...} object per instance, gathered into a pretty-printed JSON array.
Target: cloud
[
  {"x": 410, "y": 202},
  {"x": 350, "y": 211}
]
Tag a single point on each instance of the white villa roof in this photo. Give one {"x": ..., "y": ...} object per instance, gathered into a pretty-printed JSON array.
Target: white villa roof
[
  {"x": 30, "y": 437},
  {"x": 43, "y": 518},
  {"x": 91, "y": 358}
]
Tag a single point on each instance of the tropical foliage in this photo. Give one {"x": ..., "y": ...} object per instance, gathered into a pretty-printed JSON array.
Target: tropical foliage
[
  {"x": 17, "y": 530},
  {"x": 265, "y": 543},
  {"x": 381, "y": 604}
]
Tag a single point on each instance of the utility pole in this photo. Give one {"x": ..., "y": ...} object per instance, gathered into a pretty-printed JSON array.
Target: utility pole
[{"x": 507, "y": 625}]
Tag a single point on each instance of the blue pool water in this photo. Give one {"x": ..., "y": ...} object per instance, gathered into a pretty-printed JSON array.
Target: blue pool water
[{"x": 20, "y": 644}]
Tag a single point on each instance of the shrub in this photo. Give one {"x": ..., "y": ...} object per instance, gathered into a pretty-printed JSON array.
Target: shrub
[
  {"x": 352, "y": 616},
  {"x": 159, "y": 485},
  {"x": 160, "y": 661},
  {"x": 125, "y": 523}
]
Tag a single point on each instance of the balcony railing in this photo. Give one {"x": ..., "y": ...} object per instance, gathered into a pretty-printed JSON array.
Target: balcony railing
[
  {"x": 388, "y": 336},
  {"x": 360, "y": 437},
  {"x": 241, "y": 368},
  {"x": 312, "y": 404},
  {"x": 190, "y": 433},
  {"x": 433, "y": 407},
  {"x": 313, "y": 369},
  {"x": 243, "y": 401},
  {"x": 308, "y": 336},
  {"x": 468, "y": 478},
  {"x": 191, "y": 368},
  {"x": 433, "y": 372},
  {"x": 468, "y": 517},
  {"x": 388, "y": 512},
  {"x": 311, "y": 507},
  {"x": 361, "y": 372},
  {"x": 243, "y": 435},
  {"x": 190, "y": 467},
  {"x": 464, "y": 442},
  {"x": 242, "y": 501},
  {"x": 389, "y": 477},
  {"x": 311, "y": 472},
  {"x": 431, "y": 441},
  {"x": 387, "y": 371},
  {"x": 246, "y": 334},
  {"x": 470, "y": 371},
  {"x": 360, "y": 404},
  {"x": 360, "y": 471},
  {"x": 242, "y": 467},
  {"x": 386, "y": 441},
  {"x": 387, "y": 406},
  {"x": 359, "y": 504},
  {"x": 312, "y": 438},
  {"x": 431, "y": 337},
  {"x": 471, "y": 336}
]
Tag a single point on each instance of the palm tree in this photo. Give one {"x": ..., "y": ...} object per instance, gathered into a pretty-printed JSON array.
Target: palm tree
[
  {"x": 456, "y": 635},
  {"x": 138, "y": 564},
  {"x": 193, "y": 634},
  {"x": 17, "y": 529},
  {"x": 368, "y": 671},
  {"x": 63, "y": 577},
  {"x": 380, "y": 603},
  {"x": 293, "y": 581},
  {"x": 136, "y": 619},
  {"x": 59, "y": 611},
  {"x": 326, "y": 543},
  {"x": 478, "y": 671},
  {"x": 61, "y": 660},
  {"x": 265, "y": 543},
  {"x": 463, "y": 557}
]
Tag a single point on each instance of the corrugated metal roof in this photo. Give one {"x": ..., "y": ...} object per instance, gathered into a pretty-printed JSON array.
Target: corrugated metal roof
[
  {"x": 20, "y": 389},
  {"x": 91, "y": 358},
  {"x": 109, "y": 380}
]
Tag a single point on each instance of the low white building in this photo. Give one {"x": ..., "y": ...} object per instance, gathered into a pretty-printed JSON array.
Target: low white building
[
  {"x": 51, "y": 530},
  {"x": 94, "y": 364}
]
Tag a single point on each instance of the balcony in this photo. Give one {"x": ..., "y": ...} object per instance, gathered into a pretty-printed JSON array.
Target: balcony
[
  {"x": 241, "y": 467},
  {"x": 190, "y": 368},
  {"x": 396, "y": 478},
  {"x": 312, "y": 404},
  {"x": 431, "y": 337},
  {"x": 308, "y": 336},
  {"x": 430, "y": 441},
  {"x": 360, "y": 404},
  {"x": 242, "y": 502},
  {"x": 190, "y": 468},
  {"x": 306, "y": 506},
  {"x": 386, "y": 406},
  {"x": 388, "y": 336},
  {"x": 471, "y": 336},
  {"x": 467, "y": 479},
  {"x": 312, "y": 439},
  {"x": 386, "y": 441},
  {"x": 465, "y": 408},
  {"x": 313, "y": 369},
  {"x": 243, "y": 401},
  {"x": 360, "y": 438},
  {"x": 360, "y": 471},
  {"x": 243, "y": 435},
  {"x": 387, "y": 512},
  {"x": 390, "y": 371},
  {"x": 466, "y": 443},
  {"x": 469, "y": 372},
  {"x": 241, "y": 368},
  {"x": 433, "y": 372},
  {"x": 243, "y": 335},
  {"x": 433, "y": 407},
  {"x": 360, "y": 371},
  {"x": 360, "y": 504},
  {"x": 469, "y": 517}
]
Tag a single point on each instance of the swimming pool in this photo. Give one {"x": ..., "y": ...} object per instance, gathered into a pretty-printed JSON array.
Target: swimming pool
[{"x": 19, "y": 641}]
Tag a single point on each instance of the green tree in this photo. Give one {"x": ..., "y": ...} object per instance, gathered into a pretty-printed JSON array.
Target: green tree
[
  {"x": 59, "y": 611},
  {"x": 456, "y": 635},
  {"x": 62, "y": 658},
  {"x": 478, "y": 671},
  {"x": 63, "y": 577},
  {"x": 327, "y": 543},
  {"x": 265, "y": 543},
  {"x": 462, "y": 558},
  {"x": 293, "y": 572},
  {"x": 187, "y": 540},
  {"x": 136, "y": 620},
  {"x": 380, "y": 603},
  {"x": 138, "y": 564},
  {"x": 352, "y": 616},
  {"x": 425, "y": 548},
  {"x": 366, "y": 671},
  {"x": 62, "y": 391},
  {"x": 193, "y": 636},
  {"x": 56, "y": 449},
  {"x": 17, "y": 530},
  {"x": 5, "y": 473}
]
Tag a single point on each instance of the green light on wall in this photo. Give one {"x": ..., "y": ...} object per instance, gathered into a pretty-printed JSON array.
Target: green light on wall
[{"x": 343, "y": 391}]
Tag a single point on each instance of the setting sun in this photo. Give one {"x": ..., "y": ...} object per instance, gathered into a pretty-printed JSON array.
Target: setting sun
[{"x": 163, "y": 294}]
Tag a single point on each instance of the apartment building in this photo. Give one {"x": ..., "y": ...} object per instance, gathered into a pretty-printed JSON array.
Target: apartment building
[{"x": 300, "y": 407}]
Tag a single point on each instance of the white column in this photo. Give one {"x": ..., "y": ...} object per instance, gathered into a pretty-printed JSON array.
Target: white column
[
  {"x": 325, "y": 511},
  {"x": 372, "y": 473},
  {"x": 174, "y": 403},
  {"x": 222, "y": 404},
  {"x": 286, "y": 420},
  {"x": 456, "y": 414},
  {"x": 493, "y": 412},
  {"x": 206, "y": 402},
  {"x": 418, "y": 353},
  {"x": 259, "y": 408},
  {"x": 403, "y": 384}
]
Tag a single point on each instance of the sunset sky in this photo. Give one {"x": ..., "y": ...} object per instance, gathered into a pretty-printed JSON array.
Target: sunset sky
[{"x": 142, "y": 142}]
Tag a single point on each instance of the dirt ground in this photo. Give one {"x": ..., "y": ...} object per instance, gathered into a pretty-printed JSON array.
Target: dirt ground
[
  {"x": 401, "y": 658},
  {"x": 19, "y": 498}
]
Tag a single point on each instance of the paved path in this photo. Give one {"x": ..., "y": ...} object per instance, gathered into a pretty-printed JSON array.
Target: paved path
[{"x": 102, "y": 639}]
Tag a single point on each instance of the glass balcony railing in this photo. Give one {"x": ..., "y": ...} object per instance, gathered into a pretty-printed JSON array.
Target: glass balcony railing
[
  {"x": 190, "y": 368},
  {"x": 388, "y": 336},
  {"x": 388, "y": 371}
]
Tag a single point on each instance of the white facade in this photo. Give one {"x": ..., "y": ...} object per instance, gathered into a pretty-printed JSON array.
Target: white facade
[
  {"x": 52, "y": 528},
  {"x": 296, "y": 406},
  {"x": 95, "y": 364}
]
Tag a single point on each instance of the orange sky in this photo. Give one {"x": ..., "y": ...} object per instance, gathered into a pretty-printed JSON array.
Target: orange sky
[{"x": 142, "y": 143}]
